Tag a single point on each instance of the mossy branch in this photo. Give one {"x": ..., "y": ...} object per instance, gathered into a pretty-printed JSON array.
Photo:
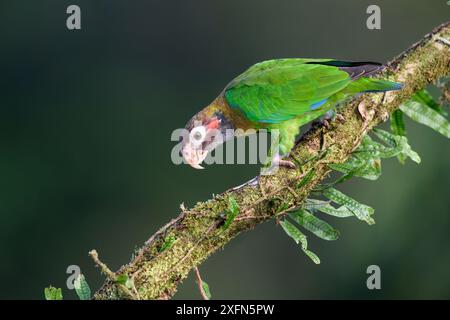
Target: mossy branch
[{"x": 188, "y": 240}]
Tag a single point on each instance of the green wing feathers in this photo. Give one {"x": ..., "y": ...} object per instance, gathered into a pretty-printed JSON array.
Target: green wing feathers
[{"x": 275, "y": 91}]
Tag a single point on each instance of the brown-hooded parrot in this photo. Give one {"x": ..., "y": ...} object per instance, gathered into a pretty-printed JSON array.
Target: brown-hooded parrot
[{"x": 281, "y": 94}]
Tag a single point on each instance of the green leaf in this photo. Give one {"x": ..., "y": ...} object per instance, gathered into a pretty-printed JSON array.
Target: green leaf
[
  {"x": 407, "y": 151},
  {"x": 122, "y": 279},
  {"x": 312, "y": 256},
  {"x": 306, "y": 179},
  {"x": 399, "y": 145},
  {"x": 361, "y": 211},
  {"x": 232, "y": 212},
  {"x": 345, "y": 167},
  {"x": 427, "y": 116},
  {"x": 326, "y": 207},
  {"x": 315, "y": 225},
  {"x": 52, "y": 293},
  {"x": 370, "y": 149},
  {"x": 341, "y": 212},
  {"x": 397, "y": 123},
  {"x": 368, "y": 169},
  {"x": 388, "y": 138},
  {"x": 371, "y": 170},
  {"x": 82, "y": 288},
  {"x": 402, "y": 158},
  {"x": 168, "y": 242},
  {"x": 206, "y": 290},
  {"x": 299, "y": 238},
  {"x": 314, "y": 204},
  {"x": 398, "y": 128},
  {"x": 425, "y": 98},
  {"x": 294, "y": 233},
  {"x": 283, "y": 207},
  {"x": 364, "y": 163}
]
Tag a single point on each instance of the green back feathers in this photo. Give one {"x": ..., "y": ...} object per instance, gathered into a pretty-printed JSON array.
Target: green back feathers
[{"x": 278, "y": 90}]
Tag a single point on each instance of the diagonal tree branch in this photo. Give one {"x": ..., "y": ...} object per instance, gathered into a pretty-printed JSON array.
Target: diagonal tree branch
[{"x": 186, "y": 241}]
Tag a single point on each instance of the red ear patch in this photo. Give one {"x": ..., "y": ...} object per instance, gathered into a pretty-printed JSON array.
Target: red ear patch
[{"x": 214, "y": 124}]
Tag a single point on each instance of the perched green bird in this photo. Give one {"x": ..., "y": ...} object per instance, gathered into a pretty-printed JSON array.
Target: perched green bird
[{"x": 281, "y": 94}]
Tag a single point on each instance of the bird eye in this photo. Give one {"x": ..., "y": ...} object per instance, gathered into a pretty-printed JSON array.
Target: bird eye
[{"x": 198, "y": 135}]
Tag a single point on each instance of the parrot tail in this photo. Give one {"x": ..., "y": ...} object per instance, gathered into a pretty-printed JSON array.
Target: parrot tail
[
  {"x": 373, "y": 85},
  {"x": 359, "y": 72}
]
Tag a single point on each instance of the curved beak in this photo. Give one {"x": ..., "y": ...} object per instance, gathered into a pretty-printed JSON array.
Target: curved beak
[
  {"x": 196, "y": 166},
  {"x": 194, "y": 156}
]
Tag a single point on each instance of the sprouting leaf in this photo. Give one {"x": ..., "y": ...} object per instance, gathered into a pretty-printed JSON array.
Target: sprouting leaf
[
  {"x": 206, "y": 290},
  {"x": 168, "y": 242},
  {"x": 299, "y": 238},
  {"x": 361, "y": 211},
  {"x": 82, "y": 288},
  {"x": 426, "y": 116},
  {"x": 232, "y": 212},
  {"x": 306, "y": 179},
  {"x": 52, "y": 293},
  {"x": 315, "y": 225},
  {"x": 283, "y": 207},
  {"x": 125, "y": 280},
  {"x": 122, "y": 278}
]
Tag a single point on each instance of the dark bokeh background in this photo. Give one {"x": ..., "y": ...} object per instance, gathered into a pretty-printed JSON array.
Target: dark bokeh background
[{"x": 86, "y": 118}]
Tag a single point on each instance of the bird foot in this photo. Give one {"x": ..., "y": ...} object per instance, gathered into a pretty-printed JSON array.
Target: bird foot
[
  {"x": 340, "y": 118},
  {"x": 276, "y": 163},
  {"x": 326, "y": 123},
  {"x": 287, "y": 164}
]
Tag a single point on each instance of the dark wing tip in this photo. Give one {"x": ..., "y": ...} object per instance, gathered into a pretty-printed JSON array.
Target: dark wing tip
[{"x": 355, "y": 69}]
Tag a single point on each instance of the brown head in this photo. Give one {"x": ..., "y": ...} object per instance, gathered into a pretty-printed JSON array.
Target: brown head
[{"x": 206, "y": 130}]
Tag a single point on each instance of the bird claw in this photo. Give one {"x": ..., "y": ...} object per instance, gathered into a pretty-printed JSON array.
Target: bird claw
[
  {"x": 365, "y": 114},
  {"x": 277, "y": 162},
  {"x": 286, "y": 164},
  {"x": 340, "y": 118}
]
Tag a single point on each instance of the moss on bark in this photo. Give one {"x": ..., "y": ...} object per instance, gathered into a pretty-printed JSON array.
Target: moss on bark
[{"x": 198, "y": 231}]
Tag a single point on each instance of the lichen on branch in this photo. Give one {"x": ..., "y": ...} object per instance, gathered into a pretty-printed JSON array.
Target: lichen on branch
[{"x": 188, "y": 240}]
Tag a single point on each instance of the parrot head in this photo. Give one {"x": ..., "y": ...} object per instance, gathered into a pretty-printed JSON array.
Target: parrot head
[{"x": 205, "y": 131}]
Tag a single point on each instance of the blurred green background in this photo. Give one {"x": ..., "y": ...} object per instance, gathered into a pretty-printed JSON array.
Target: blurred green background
[{"x": 85, "y": 123}]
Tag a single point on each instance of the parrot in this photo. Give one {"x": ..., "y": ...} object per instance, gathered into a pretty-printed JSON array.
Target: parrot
[{"x": 281, "y": 94}]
